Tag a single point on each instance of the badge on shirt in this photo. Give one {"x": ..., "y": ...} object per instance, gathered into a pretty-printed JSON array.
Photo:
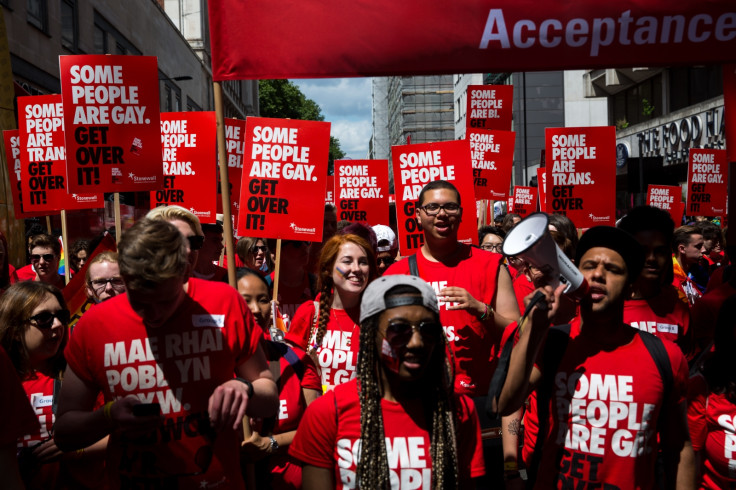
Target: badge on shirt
[
  {"x": 667, "y": 328},
  {"x": 42, "y": 401},
  {"x": 208, "y": 321}
]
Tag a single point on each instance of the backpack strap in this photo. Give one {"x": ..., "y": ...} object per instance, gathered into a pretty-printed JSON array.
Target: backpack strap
[
  {"x": 55, "y": 396},
  {"x": 413, "y": 266},
  {"x": 656, "y": 349},
  {"x": 554, "y": 349}
]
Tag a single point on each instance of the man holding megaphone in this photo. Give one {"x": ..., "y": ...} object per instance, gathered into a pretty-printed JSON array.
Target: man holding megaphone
[{"x": 604, "y": 390}]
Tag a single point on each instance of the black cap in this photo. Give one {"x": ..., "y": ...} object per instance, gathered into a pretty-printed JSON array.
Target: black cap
[{"x": 617, "y": 240}]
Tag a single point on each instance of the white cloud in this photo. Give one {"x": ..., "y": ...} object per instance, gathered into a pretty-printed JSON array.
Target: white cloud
[{"x": 346, "y": 103}]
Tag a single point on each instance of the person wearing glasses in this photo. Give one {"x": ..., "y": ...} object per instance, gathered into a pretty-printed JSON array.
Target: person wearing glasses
[
  {"x": 254, "y": 254},
  {"x": 103, "y": 277},
  {"x": 398, "y": 424},
  {"x": 33, "y": 332},
  {"x": 491, "y": 238},
  {"x": 178, "y": 368},
  {"x": 45, "y": 253},
  {"x": 387, "y": 248}
]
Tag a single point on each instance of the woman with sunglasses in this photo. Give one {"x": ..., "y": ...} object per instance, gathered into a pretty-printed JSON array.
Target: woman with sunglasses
[
  {"x": 327, "y": 328},
  {"x": 33, "y": 331},
  {"x": 399, "y": 421},
  {"x": 254, "y": 254}
]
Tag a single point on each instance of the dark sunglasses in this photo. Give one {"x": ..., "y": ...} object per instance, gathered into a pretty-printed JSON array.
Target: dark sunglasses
[
  {"x": 45, "y": 319},
  {"x": 196, "y": 242},
  {"x": 46, "y": 257},
  {"x": 385, "y": 260},
  {"x": 259, "y": 248},
  {"x": 398, "y": 333}
]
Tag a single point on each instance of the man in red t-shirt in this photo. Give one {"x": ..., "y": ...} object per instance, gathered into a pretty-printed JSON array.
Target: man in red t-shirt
[
  {"x": 687, "y": 250},
  {"x": 165, "y": 358},
  {"x": 475, "y": 293},
  {"x": 653, "y": 305},
  {"x": 601, "y": 396}
]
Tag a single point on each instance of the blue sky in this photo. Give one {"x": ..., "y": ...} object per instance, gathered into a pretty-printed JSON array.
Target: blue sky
[{"x": 346, "y": 103}]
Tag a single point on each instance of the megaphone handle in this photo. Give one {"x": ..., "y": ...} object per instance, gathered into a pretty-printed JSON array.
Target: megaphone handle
[{"x": 538, "y": 296}]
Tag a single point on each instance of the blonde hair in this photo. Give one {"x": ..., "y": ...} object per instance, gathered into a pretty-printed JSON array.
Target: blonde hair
[{"x": 174, "y": 212}]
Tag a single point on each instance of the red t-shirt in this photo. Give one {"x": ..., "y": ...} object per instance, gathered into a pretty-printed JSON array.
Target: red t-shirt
[
  {"x": 39, "y": 389},
  {"x": 330, "y": 440},
  {"x": 286, "y": 471},
  {"x": 16, "y": 415},
  {"x": 338, "y": 354},
  {"x": 664, "y": 316},
  {"x": 476, "y": 271},
  {"x": 603, "y": 416},
  {"x": 178, "y": 365},
  {"x": 712, "y": 421},
  {"x": 25, "y": 273}
]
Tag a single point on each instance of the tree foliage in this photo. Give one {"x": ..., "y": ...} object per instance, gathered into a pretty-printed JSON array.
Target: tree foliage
[{"x": 283, "y": 99}]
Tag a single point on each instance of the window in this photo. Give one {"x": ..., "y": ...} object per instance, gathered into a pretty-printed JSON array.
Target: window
[
  {"x": 103, "y": 31},
  {"x": 37, "y": 14},
  {"x": 69, "y": 25},
  {"x": 692, "y": 85},
  {"x": 100, "y": 40},
  {"x": 170, "y": 94},
  {"x": 192, "y": 106}
]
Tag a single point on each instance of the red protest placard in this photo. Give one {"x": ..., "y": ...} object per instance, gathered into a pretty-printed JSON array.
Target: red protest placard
[
  {"x": 666, "y": 197},
  {"x": 489, "y": 106},
  {"x": 581, "y": 174},
  {"x": 43, "y": 158},
  {"x": 542, "y": 188},
  {"x": 112, "y": 120},
  {"x": 492, "y": 157},
  {"x": 706, "y": 182},
  {"x": 362, "y": 190},
  {"x": 189, "y": 146},
  {"x": 510, "y": 205},
  {"x": 11, "y": 139},
  {"x": 525, "y": 200},
  {"x": 283, "y": 189},
  {"x": 235, "y": 143},
  {"x": 330, "y": 190},
  {"x": 415, "y": 166}
]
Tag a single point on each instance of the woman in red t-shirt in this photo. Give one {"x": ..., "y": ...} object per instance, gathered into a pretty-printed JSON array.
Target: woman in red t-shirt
[
  {"x": 347, "y": 265},
  {"x": 712, "y": 407},
  {"x": 398, "y": 423}
]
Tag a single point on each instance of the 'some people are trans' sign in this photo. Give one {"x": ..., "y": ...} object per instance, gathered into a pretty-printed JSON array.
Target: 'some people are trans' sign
[
  {"x": 492, "y": 156},
  {"x": 112, "y": 123},
  {"x": 282, "y": 194},
  {"x": 581, "y": 174},
  {"x": 189, "y": 146},
  {"x": 43, "y": 157}
]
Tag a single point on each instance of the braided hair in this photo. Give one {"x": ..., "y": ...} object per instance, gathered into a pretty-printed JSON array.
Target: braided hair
[
  {"x": 372, "y": 468},
  {"x": 327, "y": 259}
]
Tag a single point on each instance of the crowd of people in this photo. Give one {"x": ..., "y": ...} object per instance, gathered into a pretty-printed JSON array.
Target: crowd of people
[{"x": 453, "y": 367}]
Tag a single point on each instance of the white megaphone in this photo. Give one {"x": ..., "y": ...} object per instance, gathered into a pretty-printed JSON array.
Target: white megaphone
[{"x": 530, "y": 240}]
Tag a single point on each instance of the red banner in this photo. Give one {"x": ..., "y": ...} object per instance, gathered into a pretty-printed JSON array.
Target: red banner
[
  {"x": 414, "y": 167},
  {"x": 362, "y": 191},
  {"x": 283, "y": 190},
  {"x": 287, "y": 39},
  {"x": 706, "y": 182},
  {"x": 11, "y": 138},
  {"x": 43, "y": 158},
  {"x": 492, "y": 157},
  {"x": 729, "y": 114},
  {"x": 235, "y": 143},
  {"x": 668, "y": 198},
  {"x": 112, "y": 119},
  {"x": 581, "y": 174},
  {"x": 489, "y": 107},
  {"x": 525, "y": 200},
  {"x": 189, "y": 146},
  {"x": 542, "y": 187}
]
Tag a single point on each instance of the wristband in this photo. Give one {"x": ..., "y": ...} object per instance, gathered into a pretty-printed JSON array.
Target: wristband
[
  {"x": 509, "y": 466},
  {"x": 107, "y": 411},
  {"x": 485, "y": 312},
  {"x": 274, "y": 445},
  {"x": 248, "y": 385}
]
